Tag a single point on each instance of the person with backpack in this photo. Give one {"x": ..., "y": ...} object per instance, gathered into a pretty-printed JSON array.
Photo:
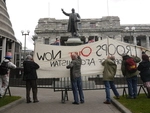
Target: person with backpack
[
  {"x": 5, "y": 67},
  {"x": 129, "y": 70},
  {"x": 110, "y": 68},
  {"x": 144, "y": 68}
]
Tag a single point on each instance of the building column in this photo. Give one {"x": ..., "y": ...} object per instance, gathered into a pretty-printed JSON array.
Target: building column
[
  {"x": 99, "y": 38},
  {"x": 13, "y": 51},
  {"x": 86, "y": 39},
  {"x": 3, "y": 48},
  {"x": 122, "y": 38},
  {"x": 147, "y": 42},
  {"x": 20, "y": 50},
  {"x": 134, "y": 40}
]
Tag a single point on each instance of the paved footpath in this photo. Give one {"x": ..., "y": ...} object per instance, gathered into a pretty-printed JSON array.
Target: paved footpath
[{"x": 50, "y": 102}]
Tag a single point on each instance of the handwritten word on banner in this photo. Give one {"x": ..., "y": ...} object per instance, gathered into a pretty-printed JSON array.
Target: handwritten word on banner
[{"x": 54, "y": 59}]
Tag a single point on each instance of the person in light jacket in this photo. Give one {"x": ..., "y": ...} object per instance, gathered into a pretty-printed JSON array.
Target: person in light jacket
[
  {"x": 4, "y": 79},
  {"x": 109, "y": 72}
]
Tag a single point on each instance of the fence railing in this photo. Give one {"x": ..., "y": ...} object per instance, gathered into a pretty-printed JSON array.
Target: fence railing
[{"x": 92, "y": 82}]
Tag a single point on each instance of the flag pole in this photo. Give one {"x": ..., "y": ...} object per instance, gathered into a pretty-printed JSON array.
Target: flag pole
[
  {"x": 78, "y": 5},
  {"x": 107, "y": 8},
  {"x": 48, "y": 9}
]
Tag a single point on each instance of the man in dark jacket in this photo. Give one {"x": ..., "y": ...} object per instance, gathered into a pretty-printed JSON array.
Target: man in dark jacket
[
  {"x": 30, "y": 76},
  {"x": 72, "y": 23},
  {"x": 131, "y": 78},
  {"x": 75, "y": 75},
  {"x": 144, "y": 68}
]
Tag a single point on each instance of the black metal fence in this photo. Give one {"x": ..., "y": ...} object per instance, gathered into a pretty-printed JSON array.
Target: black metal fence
[{"x": 92, "y": 82}]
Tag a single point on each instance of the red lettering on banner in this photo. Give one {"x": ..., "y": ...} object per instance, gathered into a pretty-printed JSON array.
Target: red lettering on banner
[
  {"x": 83, "y": 52},
  {"x": 86, "y": 54}
]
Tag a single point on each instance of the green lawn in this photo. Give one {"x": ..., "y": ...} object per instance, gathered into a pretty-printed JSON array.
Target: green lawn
[
  {"x": 8, "y": 99},
  {"x": 139, "y": 105}
]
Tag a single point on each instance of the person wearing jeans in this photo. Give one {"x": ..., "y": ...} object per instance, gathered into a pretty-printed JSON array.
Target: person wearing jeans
[
  {"x": 131, "y": 78},
  {"x": 77, "y": 84},
  {"x": 108, "y": 85},
  {"x": 75, "y": 76},
  {"x": 132, "y": 86},
  {"x": 109, "y": 72}
]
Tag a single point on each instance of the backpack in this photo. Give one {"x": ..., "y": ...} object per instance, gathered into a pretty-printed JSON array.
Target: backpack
[
  {"x": 131, "y": 65},
  {"x": 4, "y": 68}
]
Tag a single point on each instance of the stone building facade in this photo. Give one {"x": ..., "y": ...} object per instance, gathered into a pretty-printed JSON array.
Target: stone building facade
[
  {"x": 48, "y": 29},
  {"x": 8, "y": 42}
]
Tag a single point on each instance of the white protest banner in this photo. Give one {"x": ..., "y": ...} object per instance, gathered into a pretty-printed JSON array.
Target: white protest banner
[{"x": 54, "y": 59}]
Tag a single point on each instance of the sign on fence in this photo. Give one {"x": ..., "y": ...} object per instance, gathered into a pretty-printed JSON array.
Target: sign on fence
[{"x": 54, "y": 59}]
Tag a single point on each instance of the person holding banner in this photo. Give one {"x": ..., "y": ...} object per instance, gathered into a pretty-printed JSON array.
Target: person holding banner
[
  {"x": 131, "y": 77},
  {"x": 144, "y": 68},
  {"x": 30, "y": 76},
  {"x": 109, "y": 72},
  {"x": 75, "y": 76}
]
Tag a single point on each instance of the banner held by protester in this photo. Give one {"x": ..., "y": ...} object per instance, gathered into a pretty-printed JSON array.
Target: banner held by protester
[{"x": 54, "y": 59}]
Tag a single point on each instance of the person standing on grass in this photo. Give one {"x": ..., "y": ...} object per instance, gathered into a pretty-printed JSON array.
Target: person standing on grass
[
  {"x": 144, "y": 68},
  {"x": 30, "y": 76},
  {"x": 109, "y": 72},
  {"x": 131, "y": 77},
  {"x": 75, "y": 76}
]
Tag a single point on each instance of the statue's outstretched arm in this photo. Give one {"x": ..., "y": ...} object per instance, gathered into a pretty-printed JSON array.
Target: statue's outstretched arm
[
  {"x": 67, "y": 14},
  {"x": 78, "y": 16}
]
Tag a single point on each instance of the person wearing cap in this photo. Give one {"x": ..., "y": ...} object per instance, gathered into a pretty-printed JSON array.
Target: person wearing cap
[
  {"x": 30, "y": 76},
  {"x": 144, "y": 68},
  {"x": 131, "y": 78},
  {"x": 75, "y": 76},
  {"x": 72, "y": 23},
  {"x": 109, "y": 73},
  {"x": 4, "y": 79}
]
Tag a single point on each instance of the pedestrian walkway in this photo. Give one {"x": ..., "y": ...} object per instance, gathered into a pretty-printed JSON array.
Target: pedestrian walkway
[{"x": 50, "y": 102}]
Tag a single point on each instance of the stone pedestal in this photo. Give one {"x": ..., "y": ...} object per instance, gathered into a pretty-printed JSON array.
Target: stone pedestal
[{"x": 73, "y": 41}]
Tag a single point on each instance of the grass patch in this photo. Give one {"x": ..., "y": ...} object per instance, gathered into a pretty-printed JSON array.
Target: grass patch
[
  {"x": 8, "y": 99},
  {"x": 139, "y": 105}
]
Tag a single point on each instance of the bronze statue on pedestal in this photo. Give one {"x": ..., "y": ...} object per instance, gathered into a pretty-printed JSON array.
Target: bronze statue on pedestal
[{"x": 74, "y": 18}]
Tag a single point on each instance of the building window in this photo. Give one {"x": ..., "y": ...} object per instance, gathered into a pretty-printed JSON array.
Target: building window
[
  {"x": 79, "y": 25},
  {"x": 96, "y": 38},
  {"x": 93, "y": 25},
  {"x": 139, "y": 42},
  {"x": 46, "y": 41},
  {"x": 63, "y": 26},
  {"x": 126, "y": 40}
]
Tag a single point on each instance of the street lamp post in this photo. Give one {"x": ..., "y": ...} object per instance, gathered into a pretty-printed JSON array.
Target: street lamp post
[
  {"x": 130, "y": 30},
  {"x": 25, "y": 34}
]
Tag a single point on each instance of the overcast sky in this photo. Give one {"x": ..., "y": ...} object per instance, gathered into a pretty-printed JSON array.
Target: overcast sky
[{"x": 24, "y": 14}]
